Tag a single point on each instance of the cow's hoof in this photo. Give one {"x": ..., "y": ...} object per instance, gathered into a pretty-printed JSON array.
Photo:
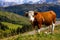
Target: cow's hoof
[{"x": 46, "y": 32}]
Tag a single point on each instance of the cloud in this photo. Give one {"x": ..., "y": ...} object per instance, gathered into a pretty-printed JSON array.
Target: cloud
[
  {"x": 58, "y": 0},
  {"x": 9, "y": 0},
  {"x": 42, "y": 0},
  {"x": 17, "y": 1},
  {"x": 32, "y": 0},
  {"x": 22, "y": 1}
]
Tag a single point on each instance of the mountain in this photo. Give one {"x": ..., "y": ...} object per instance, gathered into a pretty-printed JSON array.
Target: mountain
[{"x": 21, "y": 9}]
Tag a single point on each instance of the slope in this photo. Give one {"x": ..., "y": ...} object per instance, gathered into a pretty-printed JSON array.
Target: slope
[{"x": 12, "y": 24}]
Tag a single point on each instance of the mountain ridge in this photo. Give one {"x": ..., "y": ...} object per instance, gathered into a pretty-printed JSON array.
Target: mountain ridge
[{"x": 21, "y": 9}]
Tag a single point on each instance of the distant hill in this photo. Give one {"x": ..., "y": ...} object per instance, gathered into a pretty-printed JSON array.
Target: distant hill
[
  {"x": 21, "y": 9},
  {"x": 12, "y": 24},
  {"x": 12, "y": 18},
  {"x": 14, "y": 21}
]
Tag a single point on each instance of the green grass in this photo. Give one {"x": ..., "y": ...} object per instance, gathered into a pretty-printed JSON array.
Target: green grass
[
  {"x": 42, "y": 36},
  {"x": 11, "y": 26},
  {"x": 13, "y": 18},
  {"x": 14, "y": 21},
  {"x": 11, "y": 23},
  {"x": 9, "y": 29}
]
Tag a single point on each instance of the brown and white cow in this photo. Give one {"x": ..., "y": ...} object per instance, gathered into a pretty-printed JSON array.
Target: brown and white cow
[{"x": 42, "y": 18}]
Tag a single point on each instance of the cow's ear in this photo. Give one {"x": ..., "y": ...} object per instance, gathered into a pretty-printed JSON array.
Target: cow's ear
[
  {"x": 35, "y": 13},
  {"x": 26, "y": 14}
]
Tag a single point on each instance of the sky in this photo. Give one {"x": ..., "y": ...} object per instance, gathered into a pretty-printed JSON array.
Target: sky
[
  {"x": 58, "y": 0},
  {"x": 17, "y": 1},
  {"x": 22, "y": 1},
  {"x": 30, "y": 0}
]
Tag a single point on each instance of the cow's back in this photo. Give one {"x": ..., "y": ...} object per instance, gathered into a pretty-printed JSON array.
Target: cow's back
[{"x": 45, "y": 17}]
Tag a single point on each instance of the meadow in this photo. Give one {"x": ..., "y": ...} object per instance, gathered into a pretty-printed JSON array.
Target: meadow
[
  {"x": 41, "y": 36},
  {"x": 12, "y": 24}
]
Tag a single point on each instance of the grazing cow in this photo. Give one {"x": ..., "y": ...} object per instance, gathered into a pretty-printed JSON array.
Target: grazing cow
[{"x": 42, "y": 18}]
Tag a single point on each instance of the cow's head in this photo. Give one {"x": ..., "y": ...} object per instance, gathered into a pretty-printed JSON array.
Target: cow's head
[{"x": 30, "y": 14}]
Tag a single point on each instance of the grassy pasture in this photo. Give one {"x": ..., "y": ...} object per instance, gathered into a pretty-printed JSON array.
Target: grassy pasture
[
  {"x": 42, "y": 36},
  {"x": 11, "y": 26},
  {"x": 14, "y": 24}
]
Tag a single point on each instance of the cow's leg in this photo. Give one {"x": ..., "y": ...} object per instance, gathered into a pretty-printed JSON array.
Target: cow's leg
[
  {"x": 49, "y": 29},
  {"x": 34, "y": 27},
  {"x": 39, "y": 28},
  {"x": 53, "y": 26},
  {"x": 33, "y": 24}
]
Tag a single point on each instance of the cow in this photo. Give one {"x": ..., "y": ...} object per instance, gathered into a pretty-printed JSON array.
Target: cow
[{"x": 42, "y": 18}]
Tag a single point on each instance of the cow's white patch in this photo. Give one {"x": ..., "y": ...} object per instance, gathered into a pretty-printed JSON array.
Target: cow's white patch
[{"x": 31, "y": 14}]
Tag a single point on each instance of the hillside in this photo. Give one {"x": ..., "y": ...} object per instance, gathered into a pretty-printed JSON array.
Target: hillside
[
  {"x": 12, "y": 24},
  {"x": 34, "y": 36},
  {"x": 11, "y": 17},
  {"x": 21, "y": 9}
]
